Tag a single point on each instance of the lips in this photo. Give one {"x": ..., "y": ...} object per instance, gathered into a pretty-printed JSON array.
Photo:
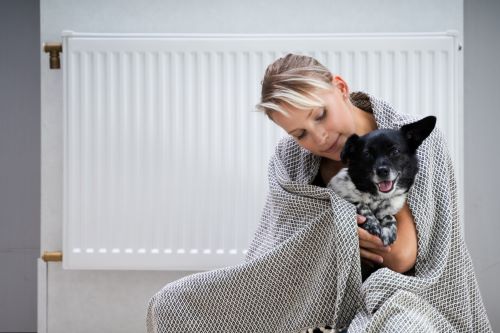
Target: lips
[{"x": 333, "y": 147}]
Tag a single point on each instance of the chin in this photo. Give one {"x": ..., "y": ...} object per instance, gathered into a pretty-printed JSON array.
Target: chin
[{"x": 334, "y": 157}]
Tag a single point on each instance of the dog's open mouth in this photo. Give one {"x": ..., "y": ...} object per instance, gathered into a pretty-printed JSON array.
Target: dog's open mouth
[{"x": 386, "y": 186}]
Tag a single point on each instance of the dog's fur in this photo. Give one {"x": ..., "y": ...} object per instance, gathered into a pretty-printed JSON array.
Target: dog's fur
[{"x": 376, "y": 161}]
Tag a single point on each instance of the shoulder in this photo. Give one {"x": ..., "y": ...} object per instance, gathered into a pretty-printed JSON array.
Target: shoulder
[
  {"x": 287, "y": 149},
  {"x": 294, "y": 162},
  {"x": 286, "y": 145}
]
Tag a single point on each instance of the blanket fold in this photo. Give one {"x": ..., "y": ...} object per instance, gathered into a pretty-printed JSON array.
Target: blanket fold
[{"x": 302, "y": 268}]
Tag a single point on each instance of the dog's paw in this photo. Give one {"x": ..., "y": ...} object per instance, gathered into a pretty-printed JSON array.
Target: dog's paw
[
  {"x": 372, "y": 225},
  {"x": 388, "y": 234}
]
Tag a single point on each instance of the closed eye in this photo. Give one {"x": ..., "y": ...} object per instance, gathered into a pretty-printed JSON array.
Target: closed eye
[{"x": 322, "y": 115}]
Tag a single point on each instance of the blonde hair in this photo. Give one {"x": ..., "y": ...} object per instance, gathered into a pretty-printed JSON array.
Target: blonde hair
[{"x": 293, "y": 80}]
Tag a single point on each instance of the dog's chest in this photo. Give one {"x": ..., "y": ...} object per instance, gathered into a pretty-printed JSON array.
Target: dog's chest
[{"x": 344, "y": 187}]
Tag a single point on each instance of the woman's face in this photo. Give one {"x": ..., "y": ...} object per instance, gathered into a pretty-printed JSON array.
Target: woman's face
[{"x": 324, "y": 130}]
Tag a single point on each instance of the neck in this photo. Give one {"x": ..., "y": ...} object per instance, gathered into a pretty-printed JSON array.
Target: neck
[{"x": 365, "y": 121}]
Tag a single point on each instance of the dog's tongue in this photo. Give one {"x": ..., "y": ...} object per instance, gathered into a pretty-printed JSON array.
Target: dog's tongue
[{"x": 385, "y": 186}]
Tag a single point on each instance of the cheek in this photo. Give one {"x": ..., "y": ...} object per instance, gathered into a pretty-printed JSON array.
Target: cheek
[
  {"x": 347, "y": 122},
  {"x": 401, "y": 161},
  {"x": 306, "y": 144},
  {"x": 341, "y": 124}
]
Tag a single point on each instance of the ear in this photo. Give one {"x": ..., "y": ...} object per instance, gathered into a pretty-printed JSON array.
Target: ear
[
  {"x": 415, "y": 133},
  {"x": 340, "y": 83},
  {"x": 349, "y": 148}
]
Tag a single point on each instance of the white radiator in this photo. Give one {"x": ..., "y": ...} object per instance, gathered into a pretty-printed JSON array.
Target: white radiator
[{"x": 165, "y": 162}]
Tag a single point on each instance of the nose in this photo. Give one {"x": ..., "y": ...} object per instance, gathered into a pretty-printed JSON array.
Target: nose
[
  {"x": 382, "y": 171},
  {"x": 320, "y": 136}
]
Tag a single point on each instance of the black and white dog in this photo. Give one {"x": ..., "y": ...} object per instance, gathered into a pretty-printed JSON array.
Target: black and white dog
[{"x": 381, "y": 168}]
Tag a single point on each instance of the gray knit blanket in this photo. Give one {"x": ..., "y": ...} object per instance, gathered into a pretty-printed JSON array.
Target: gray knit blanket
[{"x": 302, "y": 269}]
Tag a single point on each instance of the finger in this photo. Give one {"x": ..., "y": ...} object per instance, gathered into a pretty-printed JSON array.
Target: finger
[
  {"x": 361, "y": 219},
  {"x": 371, "y": 256},
  {"x": 374, "y": 247},
  {"x": 366, "y": 236}
]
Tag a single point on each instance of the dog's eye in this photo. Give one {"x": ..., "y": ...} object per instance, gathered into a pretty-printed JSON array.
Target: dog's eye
[
  {"x": 367, "y": 154},
  {"x": 395, "y": 151}
]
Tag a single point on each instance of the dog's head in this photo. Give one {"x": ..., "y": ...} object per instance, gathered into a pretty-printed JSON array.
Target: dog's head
[{"x": 383, "y": 162}]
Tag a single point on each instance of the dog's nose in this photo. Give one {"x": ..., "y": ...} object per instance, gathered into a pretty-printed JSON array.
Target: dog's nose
[{"x": 382, "y": 171}]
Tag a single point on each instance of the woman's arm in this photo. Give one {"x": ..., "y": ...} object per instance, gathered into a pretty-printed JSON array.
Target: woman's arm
[{"x": 402, "y": 254}]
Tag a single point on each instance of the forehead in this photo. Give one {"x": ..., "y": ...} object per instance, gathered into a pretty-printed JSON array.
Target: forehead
[
  {"x": 382, "y": 138},
  {"x": 305, "y": 105},
  {"x": 292, "y": 118}
]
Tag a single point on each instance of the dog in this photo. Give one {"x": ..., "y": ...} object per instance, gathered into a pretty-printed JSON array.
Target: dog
[{"x": 381, "y": 168}]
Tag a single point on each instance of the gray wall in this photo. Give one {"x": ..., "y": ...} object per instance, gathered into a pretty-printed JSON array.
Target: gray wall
[
  {"x": 19, "y": 163},
  {"x": 482, "y": 155},
  {"x": 20, "y": 125}
]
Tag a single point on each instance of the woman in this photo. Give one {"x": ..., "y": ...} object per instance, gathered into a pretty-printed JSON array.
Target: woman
[
  {"x": 320, "y": 118},
  {"x": 316, "y": 108},
  {"x": 302, "y": 268}
]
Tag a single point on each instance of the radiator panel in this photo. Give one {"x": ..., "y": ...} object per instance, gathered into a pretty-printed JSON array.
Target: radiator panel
[{"x": 165, "y": 162}]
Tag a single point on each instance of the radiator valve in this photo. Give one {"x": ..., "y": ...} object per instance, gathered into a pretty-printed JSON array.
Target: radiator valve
[{"x": 53, "y": 49}]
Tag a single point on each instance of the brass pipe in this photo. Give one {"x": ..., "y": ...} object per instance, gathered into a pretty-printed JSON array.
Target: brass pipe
[
  {"x": 52, "y": 256},
  {"x": 53, "y": 49}
]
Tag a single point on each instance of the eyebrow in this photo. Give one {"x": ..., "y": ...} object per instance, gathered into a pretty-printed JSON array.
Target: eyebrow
[{"x": 298, "y": 128}]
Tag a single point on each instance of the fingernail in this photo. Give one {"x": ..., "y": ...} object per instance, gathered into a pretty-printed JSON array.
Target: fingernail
[{"x": 381, "y": 260}]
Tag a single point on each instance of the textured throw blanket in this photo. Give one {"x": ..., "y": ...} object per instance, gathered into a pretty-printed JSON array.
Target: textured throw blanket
[{"x": 303, "y": 266}]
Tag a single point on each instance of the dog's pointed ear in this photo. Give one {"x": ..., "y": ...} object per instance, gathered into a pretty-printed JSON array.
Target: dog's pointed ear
[
  {"x": 349, "y": 148},
  {"x": 415, "y": 133}
]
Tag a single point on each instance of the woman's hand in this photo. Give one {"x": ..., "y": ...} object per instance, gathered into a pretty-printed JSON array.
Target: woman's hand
[
  {"x": 370, "y": 246},
  {"x": 401, "y": 255}
]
